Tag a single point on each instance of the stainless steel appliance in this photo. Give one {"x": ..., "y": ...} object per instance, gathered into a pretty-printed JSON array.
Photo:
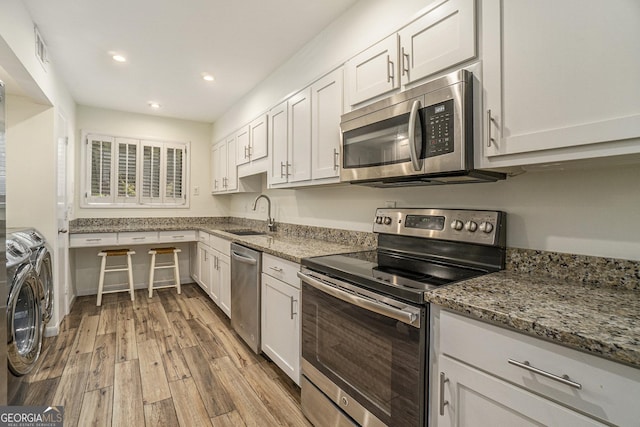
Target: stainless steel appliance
[
  {"x": 24, "y": 319},
  {"x": 365, "y": 322},
  {"x": 3, "y": 271},
  {"x": 421, "y": 136},
  {"x": 41, "y": 261},
  {"x": 246, "y": 267}
]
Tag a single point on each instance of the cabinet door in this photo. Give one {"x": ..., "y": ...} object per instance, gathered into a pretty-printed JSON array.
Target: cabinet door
[
  {"x": 224, "y": 278},
  {"x": 231, "y": 181},
  {"x": 299, "y": 146},
  {"x": 258, "y": 137},
  {"x": 326, "y": 109},
  {"x": 215, "y": 168},
  {"x": 572, "y": 83},
  {"x": 281, "y": 325},
  {"x": 373, "y": 72},
  {"x": 472, "y": 395},
  {"x": 204, "y": 267},
  {"x": 214, "y": 284},
  {"x": 443, "y": 37},
  {"x": 243, "y": 146},
  {"x": 278, "y": 136}
]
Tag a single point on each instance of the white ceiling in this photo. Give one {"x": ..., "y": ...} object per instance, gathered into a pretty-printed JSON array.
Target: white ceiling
[{"x": 169, "y": 44}]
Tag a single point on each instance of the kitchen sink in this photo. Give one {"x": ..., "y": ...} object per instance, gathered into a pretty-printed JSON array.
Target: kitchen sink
[{"x": 246, "y": 232}]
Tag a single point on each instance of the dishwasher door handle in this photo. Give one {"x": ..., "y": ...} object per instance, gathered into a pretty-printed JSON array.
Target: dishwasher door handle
[{"x": 245, "y": 259}]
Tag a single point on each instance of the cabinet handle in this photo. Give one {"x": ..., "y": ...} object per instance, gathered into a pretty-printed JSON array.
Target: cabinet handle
[
  {"x": 390, "y": 70},
  {"x": 278, "y": 269},
  {"x": 405, "y": 63},
  {"x": 250, "y": 150},
  {"x": 245, "y": 152},
  {"x": 490, "y": 122},
  {"x": 93, "y": 240},
  {"x": 288, "y": 166},
  {"x": 564, "y": 379},
  {"x": 215, "y": 262},
  {"x": 292, "y": 312},
  {"x": 215, "y": 184},
  {"x": 282, "y": 173},
  {"x": 177, "y": 237},
  {"x": 138, "y": 238},
  {"x": 443, "y": 403},
  {"x": 336, "y": 156},
  {"x": 224, "y": 182}
]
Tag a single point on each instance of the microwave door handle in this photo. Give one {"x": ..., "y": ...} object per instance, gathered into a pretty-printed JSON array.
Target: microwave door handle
[
  {"x": 416, "y": 161},
  {"x": 384, "y": 310}
]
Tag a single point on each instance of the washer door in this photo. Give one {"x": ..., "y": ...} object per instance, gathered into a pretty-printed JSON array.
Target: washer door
[
  {"x": 24, "y": 321},
  {"x": 43, "y": 270}
]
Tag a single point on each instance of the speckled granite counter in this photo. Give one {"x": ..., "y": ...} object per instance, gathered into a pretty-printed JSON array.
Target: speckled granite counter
[
  {"x": 291, "y": 242},
  {"x": 603, "y": 320}
]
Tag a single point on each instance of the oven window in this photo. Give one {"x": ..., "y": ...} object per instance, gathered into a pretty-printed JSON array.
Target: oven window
[
  {"x": 381, "y": 143},
  {"x": 377, "y": 360}
]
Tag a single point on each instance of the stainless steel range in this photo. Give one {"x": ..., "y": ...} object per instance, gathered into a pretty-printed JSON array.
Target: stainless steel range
[{"x": 365, "y": 323}]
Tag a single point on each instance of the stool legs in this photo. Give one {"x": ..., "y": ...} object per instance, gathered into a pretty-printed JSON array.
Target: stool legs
[
  {"x": 177, "y": 271},
  {"x": 152, "y": 269},
  {"x": 130, "y": 272},
  {"x": 103, "y": 264}
]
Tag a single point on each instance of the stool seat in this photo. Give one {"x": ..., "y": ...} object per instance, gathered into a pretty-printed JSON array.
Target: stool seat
[
  {"x": 156, "y": 266},
  {"x": 104, "y": 269}
]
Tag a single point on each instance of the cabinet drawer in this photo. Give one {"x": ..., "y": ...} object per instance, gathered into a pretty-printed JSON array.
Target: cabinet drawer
[
  {"x": 221, "y": 245},
  {"x": 177, "y": 236},
  {"x": 203, "y": 237},
  {"x": 138, "y": 238},
  {"x": 281, "y": 269},
  {"x": 608, "y": 390},
  {"x": 93, "y": 239}
]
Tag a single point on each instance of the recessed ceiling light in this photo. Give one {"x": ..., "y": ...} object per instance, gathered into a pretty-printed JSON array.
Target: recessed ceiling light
[
  {"x": 154, "y": 105},
  {"x": 208, "y": 77},
  {"x": 119, "y": 58}
]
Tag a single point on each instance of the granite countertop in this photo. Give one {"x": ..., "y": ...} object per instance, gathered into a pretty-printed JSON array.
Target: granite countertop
[
  {"x": 604, "y": 321},
  {"x": 283, "y": 245}
]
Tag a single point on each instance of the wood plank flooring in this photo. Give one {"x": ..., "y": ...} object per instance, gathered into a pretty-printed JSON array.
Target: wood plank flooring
[{"x": 172, "y": 360}]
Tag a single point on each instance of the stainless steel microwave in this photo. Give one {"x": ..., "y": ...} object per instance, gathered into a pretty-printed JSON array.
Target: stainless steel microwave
[{"x": 421, "y": 136}]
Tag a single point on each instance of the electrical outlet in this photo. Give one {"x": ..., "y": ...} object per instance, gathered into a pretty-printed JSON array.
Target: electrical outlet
[{"x": 196, "y": 190}]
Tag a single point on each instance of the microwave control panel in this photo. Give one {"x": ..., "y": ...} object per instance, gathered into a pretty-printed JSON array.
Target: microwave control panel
[{"x": 438, "y": 119}]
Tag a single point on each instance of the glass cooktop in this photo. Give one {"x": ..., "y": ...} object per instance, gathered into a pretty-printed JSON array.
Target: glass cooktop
[{"x": 401, "y": 276}]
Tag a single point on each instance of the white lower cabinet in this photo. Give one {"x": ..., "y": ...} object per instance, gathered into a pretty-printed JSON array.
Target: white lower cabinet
[
  {"x": 484, "y": 375},
  {"x": 213, "y": 270},
  {"x": 281, "y": 315}
]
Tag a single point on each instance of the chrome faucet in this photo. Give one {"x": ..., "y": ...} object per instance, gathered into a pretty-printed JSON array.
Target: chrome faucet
[{"x": 271, "y": 224}]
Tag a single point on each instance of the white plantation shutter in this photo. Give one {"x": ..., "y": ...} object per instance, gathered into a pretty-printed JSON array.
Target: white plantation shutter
[
  {"x": 126, "y": 172},
  {"x": 100, "y": 149},
  {"x": 127, "y": 177},
  {"x": 175, "y": 168},
  {"x": 151, "y": 172}
]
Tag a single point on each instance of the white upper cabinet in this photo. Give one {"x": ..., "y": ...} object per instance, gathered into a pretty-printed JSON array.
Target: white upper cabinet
[
  {"x": 224, "y": 173},
  {"x": 327, "y": 99},
  {"x": 373, "y": 72},
  {"x": 560, "y": 80},
  {"x": 252, "y": 141},
  {"x": 442, "y": 38},
  {"x": 299, "y": 146},
  {"x": 278, "y": 139}
]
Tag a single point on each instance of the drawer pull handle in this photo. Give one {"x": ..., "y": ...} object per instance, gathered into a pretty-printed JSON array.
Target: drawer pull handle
[
  {"x": 564, "y": 379},
  {"x": 138, "y": 238},
  {"x": 278, "y": 269},
  {"x": 93, "y": 240},
  {"x": 443, "y": 403},
  {"x": 178, "y": 237}
]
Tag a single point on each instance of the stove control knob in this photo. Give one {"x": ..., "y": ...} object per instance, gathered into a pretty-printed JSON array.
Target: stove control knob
[
  {"x": 457, "y": 224},
  {"x": 378, "y": 220},
  {"x": 486, "y": 227},
  {"x": 387, "y": 220},
  {"x": 471, "y": 226}
]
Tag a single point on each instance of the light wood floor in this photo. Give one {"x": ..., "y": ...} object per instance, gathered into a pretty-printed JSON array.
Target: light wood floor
[{"x": 172, "y": 360}]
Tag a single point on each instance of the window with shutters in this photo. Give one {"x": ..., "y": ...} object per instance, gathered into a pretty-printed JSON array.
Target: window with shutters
[{"x": 128, "y": 172}]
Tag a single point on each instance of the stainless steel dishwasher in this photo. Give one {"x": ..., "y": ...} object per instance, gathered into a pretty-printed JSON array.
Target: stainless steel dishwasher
[{"x": 246, "y": 267}]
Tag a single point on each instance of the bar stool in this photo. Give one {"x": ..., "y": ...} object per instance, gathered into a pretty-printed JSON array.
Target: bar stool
[
  {"x": 176, "y": 271},
  {"x": 106, "y": 253}
]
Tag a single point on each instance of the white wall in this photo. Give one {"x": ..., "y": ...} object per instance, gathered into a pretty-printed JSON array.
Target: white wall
[
  {"x": 585, "y": 211},
  {"x": 120, "y": 123}
]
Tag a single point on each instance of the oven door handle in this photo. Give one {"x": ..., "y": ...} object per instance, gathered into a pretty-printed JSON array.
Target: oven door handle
[{"x": 382, "y": 309}]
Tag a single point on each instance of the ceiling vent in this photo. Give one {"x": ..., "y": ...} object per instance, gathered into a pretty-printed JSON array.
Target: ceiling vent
[{"x": 41, "y": 49}]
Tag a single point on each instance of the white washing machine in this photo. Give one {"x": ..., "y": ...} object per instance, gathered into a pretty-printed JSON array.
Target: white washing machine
[
  {"x": 41, "y": 262},
  {"x": 24, "y": 318}
]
